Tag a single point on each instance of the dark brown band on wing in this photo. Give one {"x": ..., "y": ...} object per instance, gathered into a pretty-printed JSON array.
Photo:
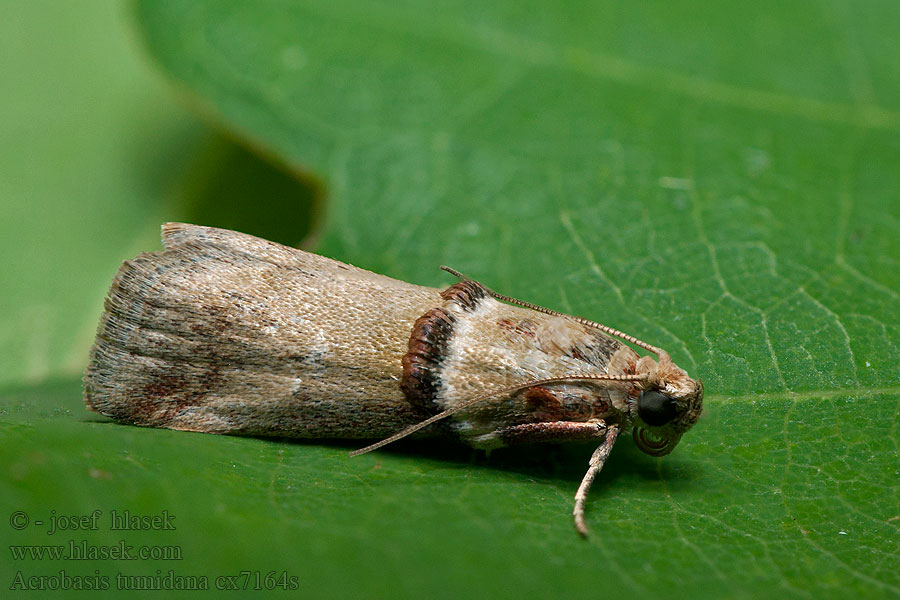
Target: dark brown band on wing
[
  {"x": 422, "y": 362},
  {"x": 429, "y": 345}
]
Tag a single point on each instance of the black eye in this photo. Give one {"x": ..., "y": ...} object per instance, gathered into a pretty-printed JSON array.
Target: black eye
[{"x": 655, "y": 408}]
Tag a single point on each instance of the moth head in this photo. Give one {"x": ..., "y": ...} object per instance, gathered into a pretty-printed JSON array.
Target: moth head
[{"x": 666, "y": 407}]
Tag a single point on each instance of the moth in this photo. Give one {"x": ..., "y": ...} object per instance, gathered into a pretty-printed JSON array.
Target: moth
[{"x": 223, "y": 332}]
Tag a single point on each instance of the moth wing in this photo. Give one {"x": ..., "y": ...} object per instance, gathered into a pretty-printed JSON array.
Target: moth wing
[{"x": 227, "y": 333}]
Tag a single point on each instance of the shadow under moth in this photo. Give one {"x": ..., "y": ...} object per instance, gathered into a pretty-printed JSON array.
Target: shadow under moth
[{"x": 223, "y": 332}]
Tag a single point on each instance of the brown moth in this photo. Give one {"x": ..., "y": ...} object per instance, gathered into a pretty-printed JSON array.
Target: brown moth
[{"x": 227, "y": 333}]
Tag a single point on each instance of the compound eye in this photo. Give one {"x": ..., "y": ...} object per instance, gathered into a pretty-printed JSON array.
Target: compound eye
[{"x": 655, "y": 408}]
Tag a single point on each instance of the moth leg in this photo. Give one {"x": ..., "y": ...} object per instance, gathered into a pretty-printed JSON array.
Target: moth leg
[
  {"x": 598, "y": 459},
  {"x": 567, "y": 431},
  {"x": 553, "y": 431}
]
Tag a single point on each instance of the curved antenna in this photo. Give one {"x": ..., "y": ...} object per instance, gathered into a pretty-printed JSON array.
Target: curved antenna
[
  {"x": 507, "y": 390},
  {"x": 659, "y": 352}
]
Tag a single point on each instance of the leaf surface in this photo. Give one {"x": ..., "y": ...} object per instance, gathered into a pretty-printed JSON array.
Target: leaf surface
[{"x": 719, "y": 181}]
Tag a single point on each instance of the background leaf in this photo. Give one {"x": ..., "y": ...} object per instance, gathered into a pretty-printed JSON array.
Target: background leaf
[{"x": 720, "y": 181}]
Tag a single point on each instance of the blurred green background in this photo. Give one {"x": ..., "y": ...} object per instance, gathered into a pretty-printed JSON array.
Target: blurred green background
[{"x": 719, "y": 180}]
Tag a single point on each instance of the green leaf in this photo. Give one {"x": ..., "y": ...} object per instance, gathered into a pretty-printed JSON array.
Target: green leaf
[
  {"x": 98, "y": 155},
  {"x": 717, "y": 180}
]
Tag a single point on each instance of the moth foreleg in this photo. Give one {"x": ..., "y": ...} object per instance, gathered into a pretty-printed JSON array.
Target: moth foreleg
[
  {"x": 553, "y": 431},
  {"x": 598, "y": 459},
  {"x": 569, "y": 431}
]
